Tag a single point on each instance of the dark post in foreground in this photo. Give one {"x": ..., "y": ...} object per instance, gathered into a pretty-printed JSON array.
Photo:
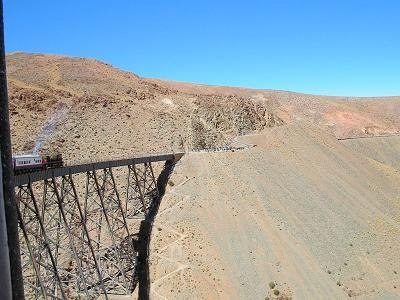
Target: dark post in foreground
[{"x": 11, "y": 284}]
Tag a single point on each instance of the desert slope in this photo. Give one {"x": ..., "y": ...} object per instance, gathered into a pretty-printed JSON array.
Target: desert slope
[
  {"x": 318, "y": 217},
  {"x": 106, "y": 112},
  {"x": 383, "y": 149},
  {"x": 103, "y": 106},
  {"x": 300, "y": 209}
]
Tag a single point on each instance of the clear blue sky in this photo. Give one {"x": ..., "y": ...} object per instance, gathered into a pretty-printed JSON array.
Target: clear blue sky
[{"x": 336, "y": 47}]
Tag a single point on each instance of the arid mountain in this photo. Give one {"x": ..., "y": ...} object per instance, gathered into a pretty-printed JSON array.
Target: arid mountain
[
  {"x": 287, "y": 211},
  {"x": 98, "y": 106}
]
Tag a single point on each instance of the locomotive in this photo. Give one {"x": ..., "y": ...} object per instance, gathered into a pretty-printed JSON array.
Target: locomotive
[{"x": 27, "y": 163}]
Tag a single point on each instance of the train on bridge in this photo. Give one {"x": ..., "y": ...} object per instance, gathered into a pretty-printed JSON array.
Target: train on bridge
[{"x": 27, "y": 163}]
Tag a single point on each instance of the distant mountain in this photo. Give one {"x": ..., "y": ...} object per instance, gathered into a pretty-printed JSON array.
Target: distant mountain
[{"x": 111, "y": 112}]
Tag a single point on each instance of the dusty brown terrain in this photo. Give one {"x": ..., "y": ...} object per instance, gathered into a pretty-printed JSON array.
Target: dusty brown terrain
[
  {"x": 317, "y": 217},
  {"x": 300, "y": 210},
  {"x": 382, "y": 149},
  {"x": 104, "y": 106}
]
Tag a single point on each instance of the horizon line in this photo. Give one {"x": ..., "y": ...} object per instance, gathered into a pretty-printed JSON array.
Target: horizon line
[{"x": 215, "y": 85}]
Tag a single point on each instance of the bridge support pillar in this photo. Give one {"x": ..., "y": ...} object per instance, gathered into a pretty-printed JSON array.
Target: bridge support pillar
[
  {"x": 113, "y": 242},
  {"x": 37, "y": 249},
  {"x": 141, "y": 189},
  {"x": 86, "y": 272},
  {"x": 83, "y": 248}
]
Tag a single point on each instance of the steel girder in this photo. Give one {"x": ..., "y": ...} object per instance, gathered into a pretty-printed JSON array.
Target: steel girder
[
  {"x": 82, "y": 248},
  {"x": 141, "y": 189}
]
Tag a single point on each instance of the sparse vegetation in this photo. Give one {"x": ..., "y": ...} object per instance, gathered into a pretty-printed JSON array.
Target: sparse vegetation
[
  {"x": 171, "y": 183},
  {"x": 276, "y": 292},
  {"x": 272, "y": 285}
]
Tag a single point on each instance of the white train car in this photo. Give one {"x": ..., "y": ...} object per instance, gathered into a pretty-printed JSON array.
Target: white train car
[{"x": 27, "y": 162}]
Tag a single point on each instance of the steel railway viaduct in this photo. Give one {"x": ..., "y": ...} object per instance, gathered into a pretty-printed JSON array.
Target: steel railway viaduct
[{"x": 84, "y": 229}]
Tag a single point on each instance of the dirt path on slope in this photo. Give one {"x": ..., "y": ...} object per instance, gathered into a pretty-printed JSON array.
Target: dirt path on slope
[{"x": 300, "y": 210}]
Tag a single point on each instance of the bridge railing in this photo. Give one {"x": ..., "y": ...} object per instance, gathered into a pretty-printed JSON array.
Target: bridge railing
[
  {"x": 86, "y": 161},
  {"x": 72, "y": 168}
]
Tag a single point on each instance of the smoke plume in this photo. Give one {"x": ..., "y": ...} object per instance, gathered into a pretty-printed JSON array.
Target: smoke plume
[{"x": 49, "y": 127}]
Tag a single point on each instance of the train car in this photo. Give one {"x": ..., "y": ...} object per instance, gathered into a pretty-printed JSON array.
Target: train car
[{"x": 27, "y": 163}]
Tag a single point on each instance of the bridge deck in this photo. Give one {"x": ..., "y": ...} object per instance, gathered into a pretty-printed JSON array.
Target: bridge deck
[{"x": 74, "y": 169}]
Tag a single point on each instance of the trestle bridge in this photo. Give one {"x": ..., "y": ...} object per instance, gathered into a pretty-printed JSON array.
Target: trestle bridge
[{"x": 78, "y": 226}]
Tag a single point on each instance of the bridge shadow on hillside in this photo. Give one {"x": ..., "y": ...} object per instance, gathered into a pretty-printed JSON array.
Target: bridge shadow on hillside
[{"x": 146, "y": 227}]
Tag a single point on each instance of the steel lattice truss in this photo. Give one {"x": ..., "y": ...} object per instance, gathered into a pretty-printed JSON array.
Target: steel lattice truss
[
  {"x": 141, "y": 189},
  {"x": 74, "y": 248}
]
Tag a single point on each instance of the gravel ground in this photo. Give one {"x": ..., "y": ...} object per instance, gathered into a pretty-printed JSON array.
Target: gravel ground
[
  {"x": 316, "y": 217},
  {"x": 383, "y": 149},
  {"x": 301, "y": 210}
]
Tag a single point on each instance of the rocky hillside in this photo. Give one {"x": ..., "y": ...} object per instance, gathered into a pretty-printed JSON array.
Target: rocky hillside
[
  {"x": 104, "y": 112},
  {"x": 108, "y": 112},
  {"x": 300, "y": 216}
]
